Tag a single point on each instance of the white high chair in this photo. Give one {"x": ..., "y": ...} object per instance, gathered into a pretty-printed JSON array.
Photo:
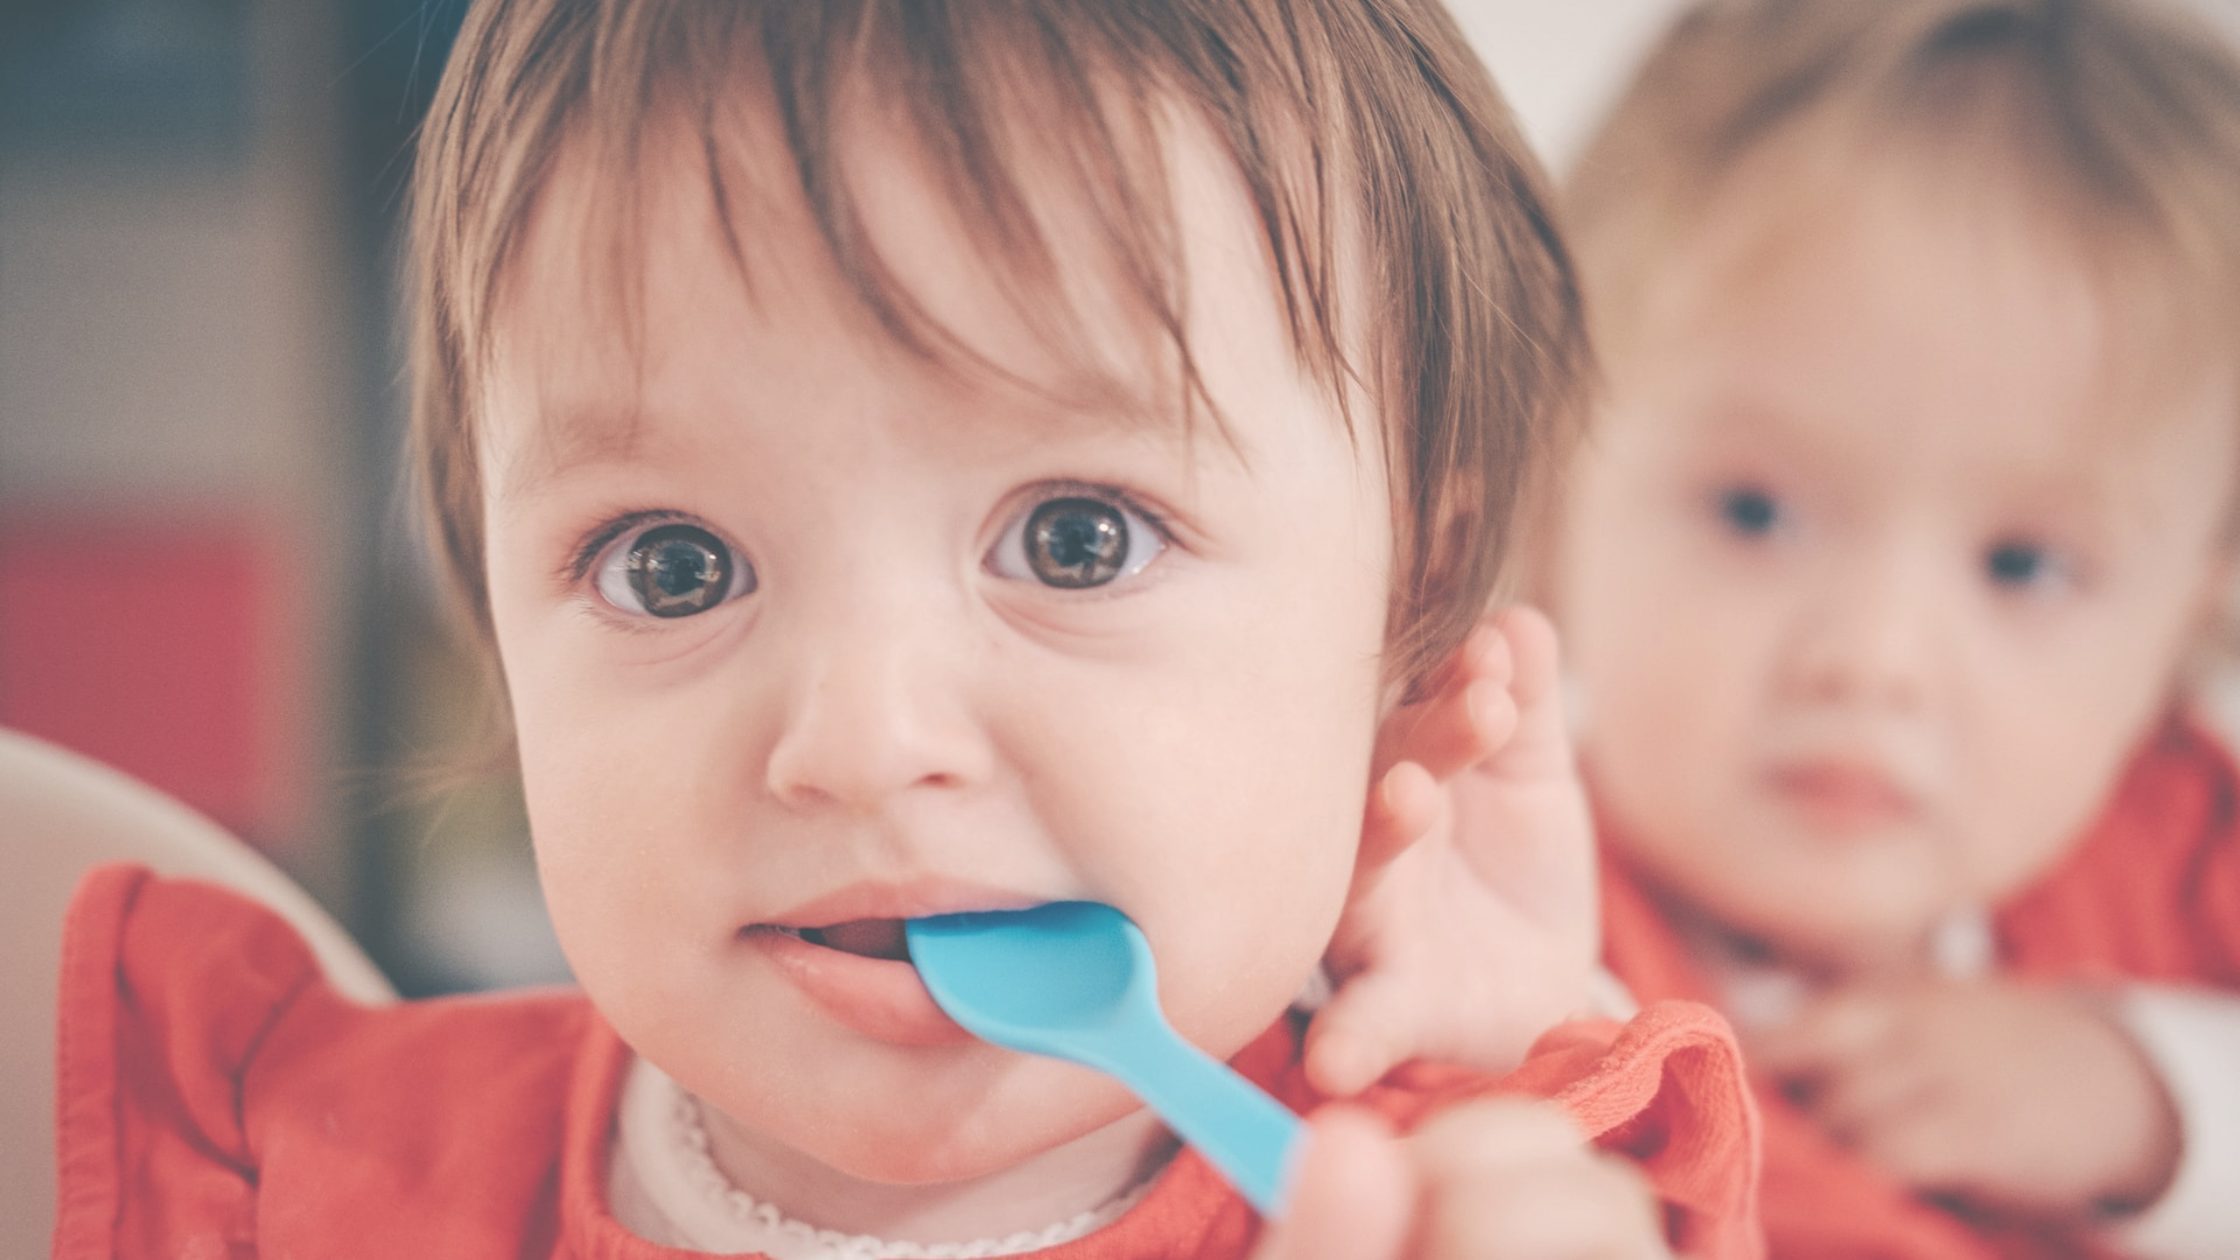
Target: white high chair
[{"x": 61, "y": 814}]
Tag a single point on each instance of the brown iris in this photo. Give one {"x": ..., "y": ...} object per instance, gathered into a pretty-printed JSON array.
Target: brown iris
[
  {"x": 1076, "y": 543},
  {"x": 679, "y": 570}
]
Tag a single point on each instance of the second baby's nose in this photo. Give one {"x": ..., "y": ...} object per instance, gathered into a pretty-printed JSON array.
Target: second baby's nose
[{"x": 1868, "y": 638}]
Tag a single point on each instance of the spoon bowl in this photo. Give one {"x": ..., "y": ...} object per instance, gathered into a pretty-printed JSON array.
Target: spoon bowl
[{"x": 1075, "y": 980}]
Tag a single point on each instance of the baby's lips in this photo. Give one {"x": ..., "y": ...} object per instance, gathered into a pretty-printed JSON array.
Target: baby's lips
[
  {"x": 871, "y": 938},
  {"x": 1854, "y": 790},
  {"x": 893, "y": 900}
]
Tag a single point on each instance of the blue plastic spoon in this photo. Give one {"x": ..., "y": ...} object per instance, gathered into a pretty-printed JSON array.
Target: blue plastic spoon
[{"x": 1074, "y": 980}]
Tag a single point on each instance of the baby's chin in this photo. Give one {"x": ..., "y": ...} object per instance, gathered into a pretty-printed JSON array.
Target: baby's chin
[
  {"x": 1846, "y": 930},
  {"x": 1811, "y": 913},
  {"x": 898, "y": 1136}
]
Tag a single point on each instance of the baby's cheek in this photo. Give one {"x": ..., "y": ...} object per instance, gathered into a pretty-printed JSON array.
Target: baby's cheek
[
  {"x": 2014, "y": 836},
  {"x": 1244, "y": 947}
]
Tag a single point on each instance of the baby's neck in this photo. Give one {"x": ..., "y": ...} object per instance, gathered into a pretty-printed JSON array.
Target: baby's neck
[
  {"x": 1862, "y": 962},
  {"x": 1930, "y": 953},
  {"x": 1054, "y": 1186}
]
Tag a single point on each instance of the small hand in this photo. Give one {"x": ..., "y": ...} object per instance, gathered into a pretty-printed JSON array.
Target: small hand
[
  {"x": 1472, "y": 923},
  {"x": 2011, "y": 1097},
  {"x": 1499, "y": 1177}
]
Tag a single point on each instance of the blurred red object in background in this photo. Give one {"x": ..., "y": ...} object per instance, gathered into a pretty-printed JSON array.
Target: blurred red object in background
[{"x": 169, "y": 648}]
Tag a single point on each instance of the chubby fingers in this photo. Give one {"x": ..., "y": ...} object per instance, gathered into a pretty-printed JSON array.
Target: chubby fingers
[
  {"x": 1850, "y": 1063},
  {"x": 1353, "y": 1197},
  {"x": 1504, "y": 1177},
  {"x": 1538, "y": 743},
  {"x": 1828, "y": 1037},
  {"x": 1366, "y": 1029},
  {"x": 1405, "y": 804},
  {"x": 1463, "y": 721},
  {"x": 1466, "y": 711}
]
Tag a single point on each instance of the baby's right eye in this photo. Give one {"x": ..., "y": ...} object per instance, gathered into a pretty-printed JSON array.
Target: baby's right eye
[
  {"x": 1750, "y": 511},
  {"x": 671, "y": 570}
]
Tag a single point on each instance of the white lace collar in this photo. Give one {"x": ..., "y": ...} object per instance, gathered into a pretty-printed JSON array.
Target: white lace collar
[{"x": 664, "y": 1186}]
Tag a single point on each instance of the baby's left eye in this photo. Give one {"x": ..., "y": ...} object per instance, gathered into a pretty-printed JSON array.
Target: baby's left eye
[
  {"x": 1075, "y": 542},
  {"x": 1751, "y": 511},
  {"x": 2021, "y": 565}
]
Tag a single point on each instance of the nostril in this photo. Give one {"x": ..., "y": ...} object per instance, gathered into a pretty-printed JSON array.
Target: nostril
[
  {"x": 856, "y": 734},
  {"x": 860, "y": 773}
]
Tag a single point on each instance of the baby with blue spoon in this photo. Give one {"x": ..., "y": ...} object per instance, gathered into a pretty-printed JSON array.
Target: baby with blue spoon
[{"x": 914, "y": 457}]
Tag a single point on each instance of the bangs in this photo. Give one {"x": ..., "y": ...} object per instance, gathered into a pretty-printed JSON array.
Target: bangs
[
  {"x": 2080, "y": 159},
  {"x": 1047, "y": 143}
]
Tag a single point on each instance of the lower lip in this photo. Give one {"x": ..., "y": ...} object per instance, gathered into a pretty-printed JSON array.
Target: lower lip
[
  {"x": 1841, "y": 801},
  {"x": 881, "y": 998}
]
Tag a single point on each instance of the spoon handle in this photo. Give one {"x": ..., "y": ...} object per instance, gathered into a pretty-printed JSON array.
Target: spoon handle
[{"x": 1247, "y": 1135}]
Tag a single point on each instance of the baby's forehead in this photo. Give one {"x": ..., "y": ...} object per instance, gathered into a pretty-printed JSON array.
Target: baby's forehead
[
  {"x": 2119, "y": 469},
  {"x": 589, "y": 427},
  {"x": 1067, "y": 309},
  {"x": 629, "y": 314},
  {"x": 1893, "y": 276}
]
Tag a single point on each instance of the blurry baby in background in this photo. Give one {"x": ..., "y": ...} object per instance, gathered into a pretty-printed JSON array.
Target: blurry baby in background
[
  {"x": 911, "y": 459},
  {"x": 1887, "y": 575}
]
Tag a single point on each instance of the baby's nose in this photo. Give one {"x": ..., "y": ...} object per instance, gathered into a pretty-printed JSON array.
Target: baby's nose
[
  {"x": 873, "y": 712},
  {"x": 1869, "y": 639}
]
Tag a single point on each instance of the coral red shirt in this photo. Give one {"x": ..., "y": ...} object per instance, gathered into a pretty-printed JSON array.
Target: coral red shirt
[
  {"x": 218, "y": 1099},
  {"x": 2150, "y": 892}
]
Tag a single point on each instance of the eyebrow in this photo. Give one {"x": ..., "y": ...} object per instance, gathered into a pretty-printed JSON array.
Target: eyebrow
[
  {"x": 569, "y": 438},
  {"x": 2038, "y": 485}
]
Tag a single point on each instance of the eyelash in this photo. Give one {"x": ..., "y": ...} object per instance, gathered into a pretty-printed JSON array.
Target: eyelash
[
  {"x": 1042, "y": 492},
  {"x": 1740, "y": 506},
  {"x": 2058, "y": 568},
  {"x": 594, "y": 544},
  {"x": 1052, "y": 491}
]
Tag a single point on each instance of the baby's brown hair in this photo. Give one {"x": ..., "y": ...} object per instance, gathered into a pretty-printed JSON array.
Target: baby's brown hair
[{"x": 1393, "y": 193}]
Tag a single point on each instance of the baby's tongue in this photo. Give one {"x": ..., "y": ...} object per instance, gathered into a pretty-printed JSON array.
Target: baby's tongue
[{"x": 872, "y": 938}]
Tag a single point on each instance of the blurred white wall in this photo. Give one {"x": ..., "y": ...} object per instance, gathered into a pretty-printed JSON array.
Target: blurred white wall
[{"x": 1561, "y": 63}]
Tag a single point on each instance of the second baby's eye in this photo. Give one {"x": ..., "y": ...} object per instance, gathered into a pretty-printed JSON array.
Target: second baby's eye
[
  {"x": 1076, "y": 542},
  {"x": 1750, "y": 511},
  {"x": 672, "y": 570},
  {"x": 2022, "y": 566}
]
